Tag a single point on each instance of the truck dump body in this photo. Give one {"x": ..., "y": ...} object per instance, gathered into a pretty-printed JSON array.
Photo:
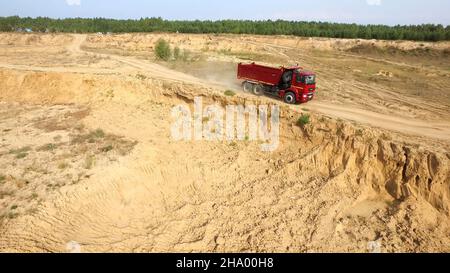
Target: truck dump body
[{"x": 260, "y": 73}]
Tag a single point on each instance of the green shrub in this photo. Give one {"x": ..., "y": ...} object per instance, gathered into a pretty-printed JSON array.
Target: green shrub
[
  {"x": 162, "y": 50},
  {"x": 99, "y": 133},
  {"x": 229, "y": 93},
  {"x": 303, "y": 120}
]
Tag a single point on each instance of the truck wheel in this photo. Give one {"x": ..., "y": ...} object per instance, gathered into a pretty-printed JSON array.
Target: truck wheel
[
  {"x": 247, "y": 86},
  {"x": 289, "y": 97},
  {"x": 258, "y": 90}
]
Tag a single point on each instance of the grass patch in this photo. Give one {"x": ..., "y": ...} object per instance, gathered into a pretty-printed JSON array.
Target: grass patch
[
  {"x": 229, "y": 93},
  {"x": 21, "y": 152},
  {"x": 47, "y": 147},
  {"x": 91, "y": 137},
  {"x": 303, "y": 120},
  {"x": 99, "y": 133}
]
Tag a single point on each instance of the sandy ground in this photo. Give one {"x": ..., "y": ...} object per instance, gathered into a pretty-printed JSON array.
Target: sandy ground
[{"x": 86, "y": 154}]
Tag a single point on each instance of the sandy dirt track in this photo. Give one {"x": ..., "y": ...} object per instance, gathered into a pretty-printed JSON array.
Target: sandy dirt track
[{"x": 354, "y": 175}]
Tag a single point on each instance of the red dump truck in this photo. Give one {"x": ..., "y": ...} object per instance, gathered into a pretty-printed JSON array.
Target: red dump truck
[{"x": 292, "y": 84}]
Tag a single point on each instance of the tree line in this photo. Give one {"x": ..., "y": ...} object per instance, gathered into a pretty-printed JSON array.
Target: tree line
[{"x": 425, "y": 32}]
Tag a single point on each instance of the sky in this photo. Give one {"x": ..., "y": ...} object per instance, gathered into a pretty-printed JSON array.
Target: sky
[{"x": 389, "y": 12}]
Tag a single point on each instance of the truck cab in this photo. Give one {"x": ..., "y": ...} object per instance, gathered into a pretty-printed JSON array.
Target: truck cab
[{"x": 301, "y": 86}]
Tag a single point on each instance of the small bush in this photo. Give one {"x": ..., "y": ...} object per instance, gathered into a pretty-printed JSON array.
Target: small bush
[
  {"x": 162, "y": 50},
  {"x": 13, "y": 207},
  {"x": 303, "y": 120},
  {"x": 2, "y": 178},
  {"x": 98, "y": 133},
  {"x": 229, "y": 93}
]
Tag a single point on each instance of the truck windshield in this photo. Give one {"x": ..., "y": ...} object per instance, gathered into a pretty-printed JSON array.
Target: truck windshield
[
  {"x": 311, "y": 79},
  {"x": 308, "y": 79}
]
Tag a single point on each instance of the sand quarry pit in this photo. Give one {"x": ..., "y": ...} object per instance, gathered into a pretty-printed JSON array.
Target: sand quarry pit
[{"x": 87, "y": 158}]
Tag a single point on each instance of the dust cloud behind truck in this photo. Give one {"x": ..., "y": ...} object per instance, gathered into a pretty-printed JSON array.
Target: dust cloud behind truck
[{"x": 292, "y": 84}]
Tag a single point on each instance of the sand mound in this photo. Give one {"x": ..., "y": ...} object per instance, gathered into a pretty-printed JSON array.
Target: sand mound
[{"x": 35, "y": 39}]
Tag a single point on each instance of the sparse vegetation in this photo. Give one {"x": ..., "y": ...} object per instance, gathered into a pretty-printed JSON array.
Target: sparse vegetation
[
  {"x": 229, "y": 93},
  {"x": 47, "y": 147},
  {"x": 303, "y": 120},
  {"x": 20, "y": 153},
  {"x": 2, "y": 178},
  {"x": 13, "y": 207}
]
